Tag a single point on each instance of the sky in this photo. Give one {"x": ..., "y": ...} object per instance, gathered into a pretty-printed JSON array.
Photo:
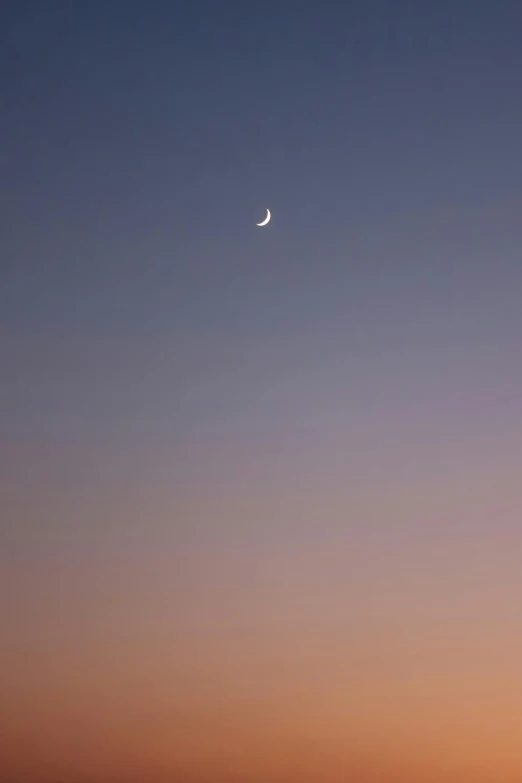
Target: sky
[{"x": 260, "y": 507}]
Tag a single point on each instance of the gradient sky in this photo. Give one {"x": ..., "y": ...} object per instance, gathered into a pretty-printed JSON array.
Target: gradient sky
[{"x": 260, "y": 488}]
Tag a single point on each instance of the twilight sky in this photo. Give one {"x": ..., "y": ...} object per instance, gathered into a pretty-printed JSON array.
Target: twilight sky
[{"x": 260, "y": 505}]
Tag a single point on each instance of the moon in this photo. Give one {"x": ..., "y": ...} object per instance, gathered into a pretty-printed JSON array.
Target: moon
[{"x": 265, "y": 221}]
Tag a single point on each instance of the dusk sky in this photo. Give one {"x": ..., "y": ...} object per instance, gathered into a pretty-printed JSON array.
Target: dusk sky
[{"x": 260, "y": 488}]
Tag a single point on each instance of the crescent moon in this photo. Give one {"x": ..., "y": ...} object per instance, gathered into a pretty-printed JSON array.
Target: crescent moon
[{"x": 265, "y": 221}]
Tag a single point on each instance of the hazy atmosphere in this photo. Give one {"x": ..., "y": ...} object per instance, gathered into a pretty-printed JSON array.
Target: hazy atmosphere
[{"x": 260, "y": 505}]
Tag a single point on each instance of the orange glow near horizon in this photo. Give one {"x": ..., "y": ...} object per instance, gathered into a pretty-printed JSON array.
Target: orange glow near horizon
[{"x": 366, "y": 655}]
